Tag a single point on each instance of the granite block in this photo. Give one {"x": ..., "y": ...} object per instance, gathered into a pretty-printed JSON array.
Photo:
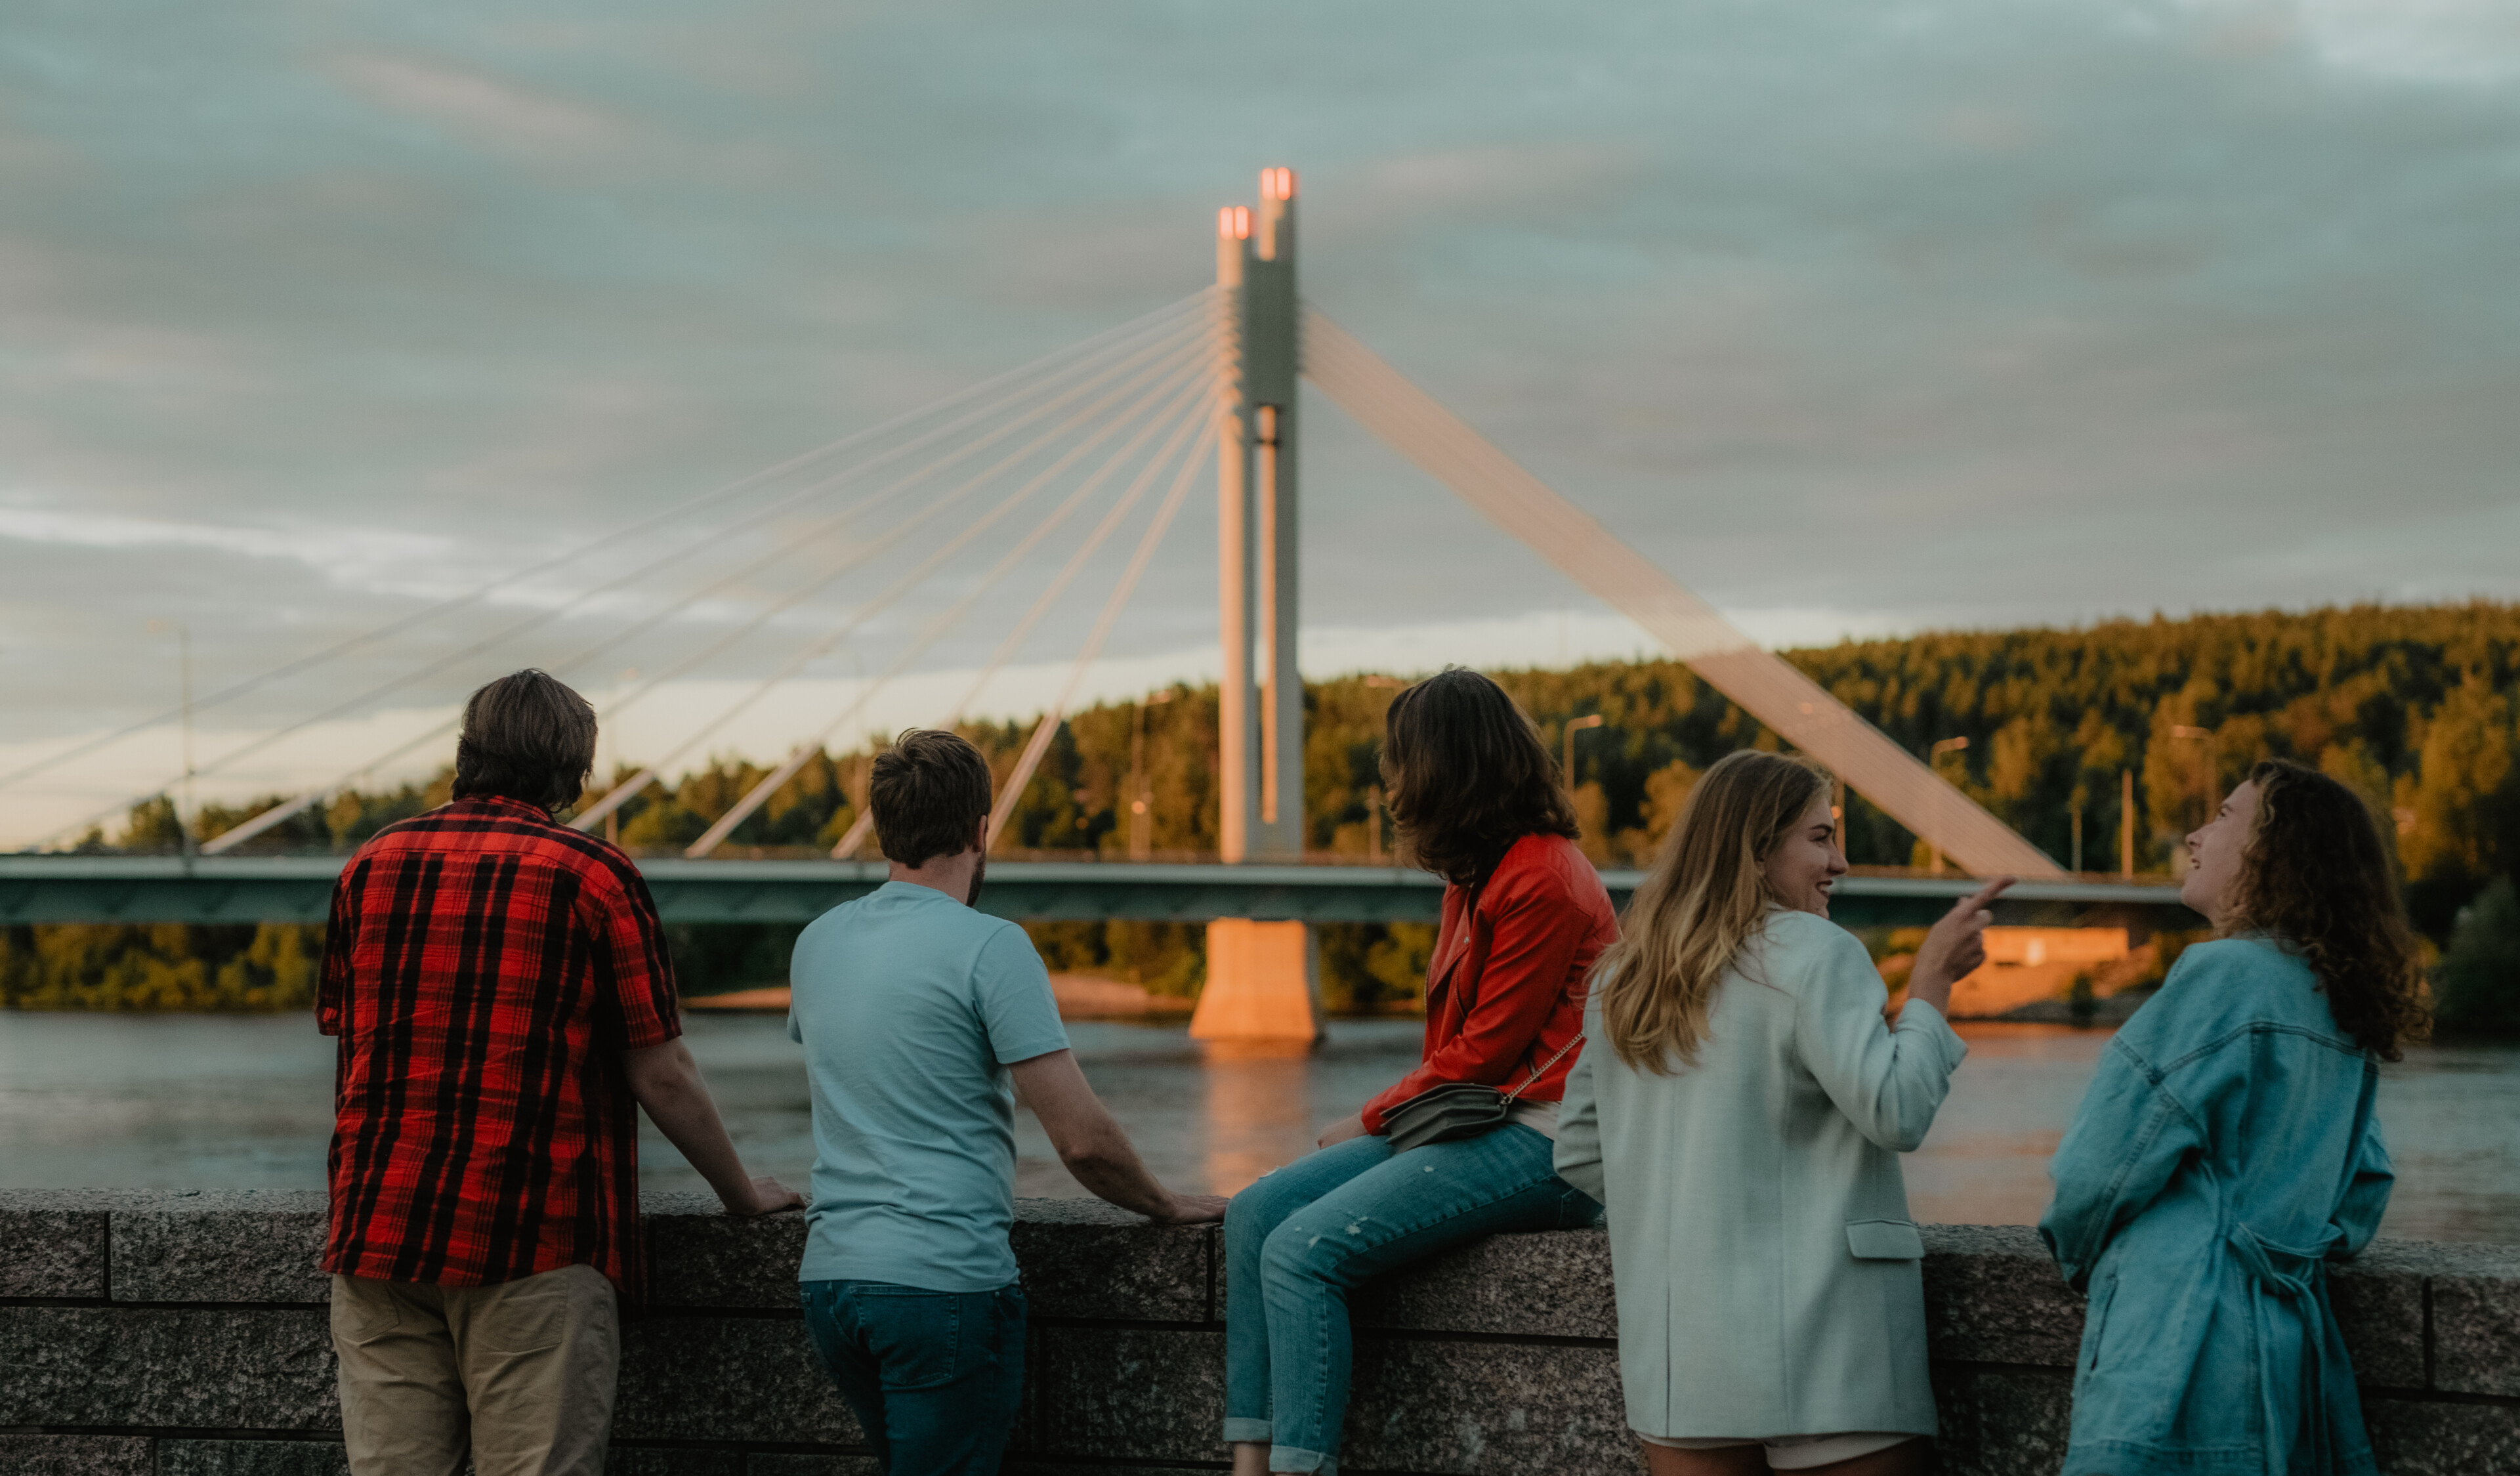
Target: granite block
[
  {"x": 1029, "y": 1468},
  {"x": 1993, "y": 1296},
  {"x": 2379, "y": 1302},
  {"x": 53, "y": 1243},
  {"x": 1434, "y": 1405},
  {"x": 74, "y": 1454},
  {"x": 1551, "y": 1285},
  {"x": 2476, "y": 1317},
  {"x": 670, "y": 1460},
  {"x": 2003, "y": 1422},
  {"x": 2412, "y": 1438},
  {"x": 1082, "y": 1258},
  {"x": 251, "y": 1457},
  {"x": 727, "y": 1380},
  {"x": 1129, "y": 1392},
  {"x": 764, "y": 1464},
  {"x": 700, "y": 1256},
  {"x": 197, "y": 1370},
  {"x": 222, "y": 1245}
]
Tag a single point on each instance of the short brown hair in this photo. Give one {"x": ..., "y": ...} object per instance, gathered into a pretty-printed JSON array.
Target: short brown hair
[
  {"x": 529, "y": 737},
  {"x": 929, "y": 791},
  {"x": 2314, "y": 875},
  {"x": 1467, "y": 775}
]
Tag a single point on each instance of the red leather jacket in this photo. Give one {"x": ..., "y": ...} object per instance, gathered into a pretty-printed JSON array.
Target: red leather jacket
[{"x": 1505, "y": 988}]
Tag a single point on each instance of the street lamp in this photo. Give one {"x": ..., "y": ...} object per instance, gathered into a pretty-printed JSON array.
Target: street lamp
[
  {"x": 1575, "y": 725},
  {"x": 611, "y": 704},
  {"x": 1934, "y": 761},
  {"x": 186, "y": 817},
  {"x": 1142, "y": 802},
  {"x": 2204, "y": 762}
]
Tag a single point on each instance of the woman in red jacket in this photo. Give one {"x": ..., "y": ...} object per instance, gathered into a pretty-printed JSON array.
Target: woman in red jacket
[{"x": 1476, "y": 799}]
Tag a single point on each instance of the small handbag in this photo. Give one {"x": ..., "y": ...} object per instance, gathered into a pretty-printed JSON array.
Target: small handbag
[
  {"x": 1458, "y": 1109},
  {"x": 1449, "y": 1111}
]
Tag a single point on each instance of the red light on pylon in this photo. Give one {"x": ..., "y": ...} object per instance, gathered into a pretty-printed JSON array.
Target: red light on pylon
[
  {"x": 1277, "y": 184},
  {"x": 1233, "y": 222}
]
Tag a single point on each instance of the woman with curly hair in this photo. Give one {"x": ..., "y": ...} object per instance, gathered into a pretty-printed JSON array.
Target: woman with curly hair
[
  {"x": 2229, "y": 1149},
  {"x": 1476, "y": 800}
]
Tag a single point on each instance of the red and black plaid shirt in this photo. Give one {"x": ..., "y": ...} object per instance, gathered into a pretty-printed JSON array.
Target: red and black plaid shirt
[{"x": 486, "y": 968}]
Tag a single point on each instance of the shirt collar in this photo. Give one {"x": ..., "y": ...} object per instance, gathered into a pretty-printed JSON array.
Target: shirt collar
[{"x": 506, "y": 802}]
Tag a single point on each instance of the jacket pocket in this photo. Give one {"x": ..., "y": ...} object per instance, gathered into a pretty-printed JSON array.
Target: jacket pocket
[{"x": 1884, "y": 1240}]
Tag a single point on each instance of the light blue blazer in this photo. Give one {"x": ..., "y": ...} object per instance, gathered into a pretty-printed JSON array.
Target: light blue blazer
[
  {"x": 2225, "y": 1153},
  {"x": 1768, "y": 1278}
]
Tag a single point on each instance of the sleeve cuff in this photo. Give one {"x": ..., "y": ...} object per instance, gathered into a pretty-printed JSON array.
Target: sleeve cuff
[{"x": 1930, "y": 1022}]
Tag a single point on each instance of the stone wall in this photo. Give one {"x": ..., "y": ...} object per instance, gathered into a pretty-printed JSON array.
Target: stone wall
[{"x": 184, "y": 1335}]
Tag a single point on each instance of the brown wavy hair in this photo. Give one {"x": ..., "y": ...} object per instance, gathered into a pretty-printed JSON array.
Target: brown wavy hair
[
  {"x": 1467, "y": 775},
  {"x": 1705, "y": 899},
  {"x": 2316, "y": 874}
]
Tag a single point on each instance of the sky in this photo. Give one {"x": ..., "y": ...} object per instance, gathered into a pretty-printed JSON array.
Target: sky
[{"x": 1858, "y": 318}]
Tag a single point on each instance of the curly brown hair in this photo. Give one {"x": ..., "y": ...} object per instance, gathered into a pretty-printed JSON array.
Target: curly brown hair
[
  {"x": 1467, "y": 775},
  {"x": 2316, "y": 874}
]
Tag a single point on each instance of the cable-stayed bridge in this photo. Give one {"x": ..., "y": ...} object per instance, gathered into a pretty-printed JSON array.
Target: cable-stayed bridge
[{"x": 1022, "y": 480}]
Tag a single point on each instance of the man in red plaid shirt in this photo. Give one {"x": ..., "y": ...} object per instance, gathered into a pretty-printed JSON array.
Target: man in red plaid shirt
[{"x": 505, "y": 1005}]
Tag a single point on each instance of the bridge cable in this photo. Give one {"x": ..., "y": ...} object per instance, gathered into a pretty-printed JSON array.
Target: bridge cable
[
  {"x": 1190, "y": 337},
  {"x": 942, "y": 622},
  {"x": 893, "y": 536},
  {"x": 1772, "y": 691},
  {"x": 1178, "y": 370},
  {"x": 1087, "y": 347},
  {"x": 1022, "y": 629},
  {"x": 1012, "y": 791}
]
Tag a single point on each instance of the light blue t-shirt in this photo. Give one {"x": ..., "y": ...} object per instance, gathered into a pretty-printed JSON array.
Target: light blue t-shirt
[{"x": 911, "y": 1006}]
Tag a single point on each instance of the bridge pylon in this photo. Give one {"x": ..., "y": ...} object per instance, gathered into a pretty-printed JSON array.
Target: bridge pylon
[{"x": 1262, "y": 977}]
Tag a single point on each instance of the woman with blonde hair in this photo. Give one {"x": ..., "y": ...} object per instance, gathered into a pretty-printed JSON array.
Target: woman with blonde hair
[
  {"x": 2230, "y": 1148},
  {"x": 1740, "y": 1113}
]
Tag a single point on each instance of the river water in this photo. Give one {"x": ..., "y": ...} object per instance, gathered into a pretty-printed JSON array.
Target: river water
[{"x": 186, "y": 1102}]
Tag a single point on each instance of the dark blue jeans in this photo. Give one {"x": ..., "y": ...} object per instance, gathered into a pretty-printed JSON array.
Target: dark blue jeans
[{"x": 935, "y": 1376}]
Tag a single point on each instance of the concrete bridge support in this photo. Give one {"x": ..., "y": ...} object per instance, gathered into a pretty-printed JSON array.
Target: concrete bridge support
[{"x": 1260, "y": 977}]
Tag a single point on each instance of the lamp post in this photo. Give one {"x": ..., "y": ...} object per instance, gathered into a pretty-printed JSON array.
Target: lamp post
[
  {"x": 1934, "y": 761},
  {"x": 1575, "y": 725},
  {"x": 1142, "y": 794},
  {"x": 613, "y": 700},
  {"x": 186, "y": 813},
  {"x": 2206, "y": 776},
  {"x": 2126, "y": 823},
  {"x": 2204, "y": 763}
]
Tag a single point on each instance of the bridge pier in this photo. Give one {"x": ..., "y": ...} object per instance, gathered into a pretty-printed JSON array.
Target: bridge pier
[{"x": 1262, "y": 977}]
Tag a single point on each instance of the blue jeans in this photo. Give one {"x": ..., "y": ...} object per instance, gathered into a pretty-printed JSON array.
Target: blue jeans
[
  {"x": 1301, "y": 1239},
  {"x": 935, "y": 1376}
]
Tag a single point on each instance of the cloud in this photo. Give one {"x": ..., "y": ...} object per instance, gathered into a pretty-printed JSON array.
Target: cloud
[
  {"x": 2463, "y": 42},
  {"x": 327, "y": 549},
  {"x": 1853, "y": 317},
  {"x": 478, "y": 107}
]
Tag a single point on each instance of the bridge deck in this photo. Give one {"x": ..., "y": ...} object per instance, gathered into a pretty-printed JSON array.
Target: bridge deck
[{"x": 298, "y": 889}]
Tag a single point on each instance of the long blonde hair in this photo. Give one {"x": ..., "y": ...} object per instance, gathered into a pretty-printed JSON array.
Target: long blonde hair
[{"x": 1705, "y": 899}]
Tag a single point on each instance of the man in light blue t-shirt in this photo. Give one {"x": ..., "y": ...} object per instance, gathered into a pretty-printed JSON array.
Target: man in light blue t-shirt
[{"x": 915, "y": 1010}]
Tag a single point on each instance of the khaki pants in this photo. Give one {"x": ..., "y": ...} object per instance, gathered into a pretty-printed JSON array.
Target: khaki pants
[{"x": 518, "y": 1378}]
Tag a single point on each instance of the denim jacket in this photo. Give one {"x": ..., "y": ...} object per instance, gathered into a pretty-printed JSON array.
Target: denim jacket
[{"x": 2226, "y": 1152}]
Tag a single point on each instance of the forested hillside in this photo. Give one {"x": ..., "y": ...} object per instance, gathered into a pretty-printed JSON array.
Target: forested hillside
[{"x": 2417, "y": 708}]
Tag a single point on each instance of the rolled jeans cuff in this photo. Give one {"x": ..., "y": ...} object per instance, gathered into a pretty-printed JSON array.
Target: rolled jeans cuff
[
  {"x": 1239, "y": 1432},
  {"x": 1305, "y": 1463}
]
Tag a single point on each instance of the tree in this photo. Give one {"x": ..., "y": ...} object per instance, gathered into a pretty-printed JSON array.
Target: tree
[
  {"x": 2462, "y": 798},
  {"x": 2477, "y": 985}
]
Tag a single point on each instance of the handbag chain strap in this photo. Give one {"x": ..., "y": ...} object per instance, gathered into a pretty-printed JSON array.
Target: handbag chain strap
[{"x": 1542, "y": 1069}]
